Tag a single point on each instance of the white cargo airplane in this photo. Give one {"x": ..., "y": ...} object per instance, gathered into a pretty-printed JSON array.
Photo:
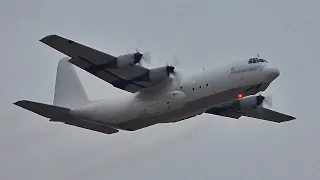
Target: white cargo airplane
[{"x": 156, "y": 95}]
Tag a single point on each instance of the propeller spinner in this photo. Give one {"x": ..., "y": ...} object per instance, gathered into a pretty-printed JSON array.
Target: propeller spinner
[
  {"x": 171, "y": 71},
  {"x": 146, "y": 57},
  {"x": 262, "y": 101}
]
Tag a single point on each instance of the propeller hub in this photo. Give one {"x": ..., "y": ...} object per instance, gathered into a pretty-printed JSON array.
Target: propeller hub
[
  {"x": 137, "y": 57},
  {"x": 170, "y": 70},
  {"x": 260, "y": 100}
]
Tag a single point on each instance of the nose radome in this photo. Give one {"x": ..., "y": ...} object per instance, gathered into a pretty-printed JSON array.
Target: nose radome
[
  {"x": 276, "y": 72},
  {"x": 273, "y": 73}
]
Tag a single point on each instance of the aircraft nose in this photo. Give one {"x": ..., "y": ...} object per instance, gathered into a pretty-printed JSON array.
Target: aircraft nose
[{"x": 273, "y": 73}]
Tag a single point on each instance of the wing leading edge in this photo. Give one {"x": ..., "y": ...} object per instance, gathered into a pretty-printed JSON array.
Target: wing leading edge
[{"x": 96, "y": 63}]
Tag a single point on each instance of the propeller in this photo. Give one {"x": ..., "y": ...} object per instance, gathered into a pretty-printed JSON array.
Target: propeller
[
  {"x": 146, "y": 57},
  {"x": 263, "y": 101},
  {"x": 175, "y": 61},
  {"x": 177, "y": 76},
  {"x": 140, "y": 57}
]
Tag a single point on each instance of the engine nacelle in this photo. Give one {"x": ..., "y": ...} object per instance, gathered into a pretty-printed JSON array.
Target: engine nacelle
[
  {"x": 167, "y": 102},
  {"x": 249, "y": 102},
  {"x": 127, "y": 60},
  {"x": 158, "y": 74}
]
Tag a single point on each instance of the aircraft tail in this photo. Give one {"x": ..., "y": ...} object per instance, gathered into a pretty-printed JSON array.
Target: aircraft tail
[{"x": 69, "y": 92}]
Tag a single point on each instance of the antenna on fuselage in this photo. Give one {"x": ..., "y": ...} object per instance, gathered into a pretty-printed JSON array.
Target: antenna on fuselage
[{"x": 258, "y": 55}]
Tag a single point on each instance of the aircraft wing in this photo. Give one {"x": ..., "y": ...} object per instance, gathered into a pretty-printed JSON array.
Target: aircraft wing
[
  {"x": 233, "y": 110},
  {"x": 95, "y": 62}
]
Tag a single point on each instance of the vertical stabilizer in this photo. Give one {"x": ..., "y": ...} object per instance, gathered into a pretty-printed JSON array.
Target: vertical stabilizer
[{"x": 69, "y": 91}]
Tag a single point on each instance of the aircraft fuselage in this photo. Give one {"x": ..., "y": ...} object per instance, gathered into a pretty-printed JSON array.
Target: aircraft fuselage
[{"x": 178, "y": 101}]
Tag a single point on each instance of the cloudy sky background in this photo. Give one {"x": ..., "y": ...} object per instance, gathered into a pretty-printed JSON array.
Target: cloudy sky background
[{"x": 202, "y": 34}]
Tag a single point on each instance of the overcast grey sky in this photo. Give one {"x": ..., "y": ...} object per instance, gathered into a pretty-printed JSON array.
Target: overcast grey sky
[{"x": 202, "y": 34}]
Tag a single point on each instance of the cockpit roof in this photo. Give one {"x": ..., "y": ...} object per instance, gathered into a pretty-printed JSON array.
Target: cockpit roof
[{"x": 257, "y": 60}]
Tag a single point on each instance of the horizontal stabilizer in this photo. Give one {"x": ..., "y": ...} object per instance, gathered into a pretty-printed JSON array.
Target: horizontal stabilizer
[
  {"x": 61, "y": 114},
  {"x": 45, "y": 110},
  {"x": 92, "y": 126}
]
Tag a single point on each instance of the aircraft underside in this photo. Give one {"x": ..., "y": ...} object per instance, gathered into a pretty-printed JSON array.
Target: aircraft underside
[{"x": 191, "y": 109}]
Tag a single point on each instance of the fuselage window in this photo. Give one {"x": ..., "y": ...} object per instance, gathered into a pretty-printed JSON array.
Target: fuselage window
[
  {"x": 254, "y": 61},
  {"x": 180, "y": 87},
  {"x": 250, "y": 61},
  {"x": 207, "y": 84},
  {"x": 193, "y": 89},
  {"x": 199, "y": 86}
]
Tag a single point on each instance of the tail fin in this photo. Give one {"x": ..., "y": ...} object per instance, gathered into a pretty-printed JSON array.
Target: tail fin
[{"x": 69, "y": 92}]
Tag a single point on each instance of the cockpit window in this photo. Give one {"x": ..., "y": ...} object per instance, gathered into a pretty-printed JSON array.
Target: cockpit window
[{"x": 256, "y": 60}]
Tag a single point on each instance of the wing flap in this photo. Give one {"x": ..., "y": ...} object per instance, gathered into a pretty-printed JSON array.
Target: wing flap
[
  {"x": 224, "y": 112},
  {"x": 106, "y": 75},
  {"x": 93, "y": 69}
]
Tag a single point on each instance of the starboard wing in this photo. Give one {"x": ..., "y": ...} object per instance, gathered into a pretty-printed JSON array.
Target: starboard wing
[{"x": 233, "y": 110}]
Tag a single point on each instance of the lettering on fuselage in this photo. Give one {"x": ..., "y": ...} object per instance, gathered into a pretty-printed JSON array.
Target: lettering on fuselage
[{"x": 242, "y": 70}]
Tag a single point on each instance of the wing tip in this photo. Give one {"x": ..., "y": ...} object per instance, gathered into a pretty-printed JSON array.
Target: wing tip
[
  {"x": 22, "y": 103},
  {"x": 55, "y": 41},
  {"x": 52, "y": 38},
  {"x": 19, "y": 103},
  {"x": 44, "y": 39},
  {"x": 290, "y": 118}
]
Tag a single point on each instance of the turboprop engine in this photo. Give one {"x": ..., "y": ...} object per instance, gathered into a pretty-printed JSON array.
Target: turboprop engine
[
  {"x": 159, "y": 74},
  {"x": 129, "y": 60},
  {"x": 254, "y": 102},
  {"x": 167, "y": 102}
]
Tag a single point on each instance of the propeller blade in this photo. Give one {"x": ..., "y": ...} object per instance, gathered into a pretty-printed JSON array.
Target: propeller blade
[
  {"x": 262, "y": 100},
  {"x": 177, "y": 77},
  {"x": 146, "y": 57},
  {"x": 175, "y": 61},
  {"x": 268, "y": 101}
]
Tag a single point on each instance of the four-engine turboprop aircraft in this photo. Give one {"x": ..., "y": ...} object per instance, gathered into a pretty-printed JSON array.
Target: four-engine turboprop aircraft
[{"x": 155, "y": 95}]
